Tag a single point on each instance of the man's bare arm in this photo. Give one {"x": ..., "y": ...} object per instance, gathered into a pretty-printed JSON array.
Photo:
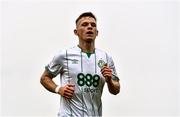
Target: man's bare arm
[
  {"x": 47, "y": 82},
  {"x": 113, "y": 86},
  {"x": 66, "y": 91}
]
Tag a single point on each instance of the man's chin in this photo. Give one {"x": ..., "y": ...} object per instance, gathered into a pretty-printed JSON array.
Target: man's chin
[{"x": 89, "y": 40}]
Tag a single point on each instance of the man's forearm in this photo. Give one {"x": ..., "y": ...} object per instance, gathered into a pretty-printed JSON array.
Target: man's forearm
[
  {"x": 48, "y": 83},
  {"x": 113, "y": 86}
]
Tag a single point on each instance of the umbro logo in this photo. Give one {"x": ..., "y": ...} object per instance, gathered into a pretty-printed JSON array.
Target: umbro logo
[{"x": 74, "y": 61}]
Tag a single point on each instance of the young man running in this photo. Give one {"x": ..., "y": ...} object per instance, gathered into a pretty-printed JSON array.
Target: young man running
[{"x": 83, "y": 71}]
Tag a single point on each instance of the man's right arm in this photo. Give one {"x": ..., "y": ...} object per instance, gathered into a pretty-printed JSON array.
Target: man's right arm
[
  {"x": 47, "y": 82},
  {"x": 66, "y": 91}
]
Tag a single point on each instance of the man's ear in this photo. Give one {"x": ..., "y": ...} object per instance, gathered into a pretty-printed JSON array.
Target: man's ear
[
  {"x": 75, "y": 32},
  {"x": 97, "y": 33}
]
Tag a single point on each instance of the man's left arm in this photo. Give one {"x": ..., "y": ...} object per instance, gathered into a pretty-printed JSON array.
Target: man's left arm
[
  {"x": 113, "y": 86},
  {"x": 112, "y": 83}
]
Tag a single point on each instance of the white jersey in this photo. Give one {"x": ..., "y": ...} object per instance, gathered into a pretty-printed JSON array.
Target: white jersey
[{"x": 74, "y": 66}]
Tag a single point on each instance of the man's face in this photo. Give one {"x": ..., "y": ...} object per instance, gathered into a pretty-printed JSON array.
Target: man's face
[{"x": 86, "y": 29}]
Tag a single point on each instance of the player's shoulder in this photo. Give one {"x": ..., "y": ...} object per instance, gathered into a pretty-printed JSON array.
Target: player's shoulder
[
  {"x": 66, "y": 51},
  {"x": 73, "y": 48},
  {"x": 100, "y": 51}
]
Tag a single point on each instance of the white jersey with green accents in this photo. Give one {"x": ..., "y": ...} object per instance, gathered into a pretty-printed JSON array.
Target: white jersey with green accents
[{"x": 74, "y": 66}]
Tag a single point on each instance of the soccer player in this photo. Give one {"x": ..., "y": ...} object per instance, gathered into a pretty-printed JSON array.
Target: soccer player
[{"x": 83, "y": 71}]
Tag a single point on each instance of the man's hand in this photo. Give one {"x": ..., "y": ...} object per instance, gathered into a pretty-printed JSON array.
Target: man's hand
[
  {"x": 113, "y": 85},
  {"x": 107, "y": 73},
  {"x": 67, "y": 91}
]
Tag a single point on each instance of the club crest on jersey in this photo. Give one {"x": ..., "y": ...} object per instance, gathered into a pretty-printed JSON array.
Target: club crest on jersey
[{"x": 101, "y": 63}]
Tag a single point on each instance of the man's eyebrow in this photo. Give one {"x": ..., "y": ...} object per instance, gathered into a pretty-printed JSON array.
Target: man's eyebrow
[{"x": 82, "y": 22}]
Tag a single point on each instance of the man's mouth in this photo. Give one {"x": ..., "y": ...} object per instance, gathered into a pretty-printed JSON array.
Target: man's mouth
[{"x": 89, "y": 32}]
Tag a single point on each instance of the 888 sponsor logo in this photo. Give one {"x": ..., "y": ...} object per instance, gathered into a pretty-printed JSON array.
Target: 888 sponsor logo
[{"x": 88, "y": 80}]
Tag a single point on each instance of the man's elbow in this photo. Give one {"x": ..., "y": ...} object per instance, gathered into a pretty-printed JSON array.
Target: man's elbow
[
  {"x": 116, "y": 89},
  {"x": 115, "y": 92},
  {"x": 42, "y": 79}
]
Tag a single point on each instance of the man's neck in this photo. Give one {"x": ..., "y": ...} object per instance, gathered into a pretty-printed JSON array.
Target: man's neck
[{"x": 87, "y": 47}]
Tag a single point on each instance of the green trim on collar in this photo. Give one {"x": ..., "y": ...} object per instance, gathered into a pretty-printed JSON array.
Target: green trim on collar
[{"x": 88, "y": 54}]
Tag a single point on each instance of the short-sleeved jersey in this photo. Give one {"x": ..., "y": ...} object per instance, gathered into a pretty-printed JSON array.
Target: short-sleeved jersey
[{"x": 75, "y": 67}]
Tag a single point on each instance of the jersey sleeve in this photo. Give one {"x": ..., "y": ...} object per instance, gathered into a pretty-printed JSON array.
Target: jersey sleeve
[
  {"x": 112, "y": 67},
  {"x": 55, "y": 66}
]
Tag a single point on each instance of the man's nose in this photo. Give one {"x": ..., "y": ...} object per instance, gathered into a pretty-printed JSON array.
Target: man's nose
[{"x": 90, "y": 27}]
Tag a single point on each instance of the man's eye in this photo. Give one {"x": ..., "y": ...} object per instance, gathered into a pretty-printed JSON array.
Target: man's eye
[
  {"x": 93, "y": 25},
  {"x": 84, "y": 24}
]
